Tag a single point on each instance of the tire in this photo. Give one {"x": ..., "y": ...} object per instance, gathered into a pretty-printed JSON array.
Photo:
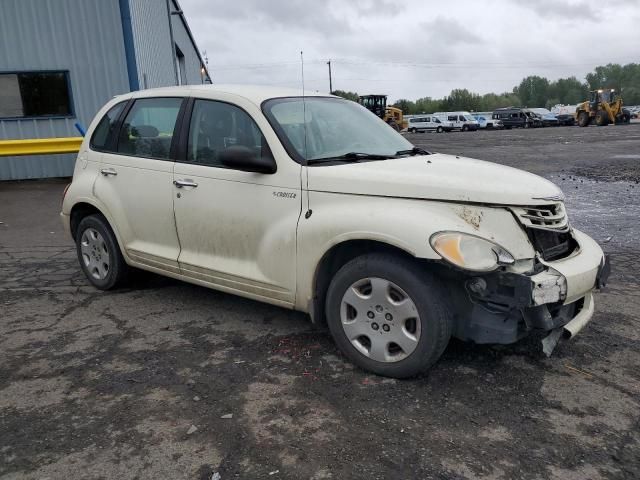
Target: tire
[
  {"x": 583, "y": 119},
  {"x": 99, "y": 254},
  {"x": 368, "y": 339},
  {"x": 439, "y": 130},
  {"x": 465, "y": 128},
  {"x": 623, "y": 118},
  {"x": 602, "y": 118}
]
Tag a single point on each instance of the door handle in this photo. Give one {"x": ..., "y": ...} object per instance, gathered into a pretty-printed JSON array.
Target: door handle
[
  {"x": 185, "y": 183},
  {"x": 108, "y": 171}
]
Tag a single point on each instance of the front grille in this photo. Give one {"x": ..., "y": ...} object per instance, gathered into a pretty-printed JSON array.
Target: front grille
[
  {"x": 545, "y": 217},
  {"x": 547, "y": 227}
]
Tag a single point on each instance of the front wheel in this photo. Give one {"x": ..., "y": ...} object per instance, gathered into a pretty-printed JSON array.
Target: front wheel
[
  {"x": 439, "y": 130},
  {"x": 465, "y": 128},
  {"x": 584, "y": 119},
  {"x": 388, "y": 315},
  {"x": 99, "y": 254}
]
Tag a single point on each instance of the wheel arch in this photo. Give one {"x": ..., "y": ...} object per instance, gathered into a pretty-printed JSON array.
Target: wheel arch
[{"x": 337, "y": 256}]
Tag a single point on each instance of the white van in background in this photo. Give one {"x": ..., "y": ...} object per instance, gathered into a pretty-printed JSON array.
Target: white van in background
[
  {"x": 463, "y": 121},
  {"x": 424, "y": 123}
]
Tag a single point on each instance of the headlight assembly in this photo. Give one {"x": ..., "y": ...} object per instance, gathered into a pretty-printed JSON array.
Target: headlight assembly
[{"x": 470, "y": 252}]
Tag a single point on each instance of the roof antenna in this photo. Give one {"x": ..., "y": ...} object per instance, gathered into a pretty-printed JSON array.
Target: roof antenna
[{"x": 304, "y": 126}]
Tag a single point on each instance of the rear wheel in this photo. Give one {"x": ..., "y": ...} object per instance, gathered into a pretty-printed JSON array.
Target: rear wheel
[
  {"x": 623, "y": 118},
  {"x": 99, "y": 254},
  {"x": 602, "y": 118},
  {"x": 387, "y": 315}
]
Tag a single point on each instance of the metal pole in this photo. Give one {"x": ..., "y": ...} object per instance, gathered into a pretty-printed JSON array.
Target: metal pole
[
  {"x": 174, "y": 59},
  {"x": 330, "y": 82}
]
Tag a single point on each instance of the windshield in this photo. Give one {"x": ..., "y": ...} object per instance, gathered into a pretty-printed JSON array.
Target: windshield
[
  {"x": 470, "y": 118},
  {"x": 326, "y": 127}
]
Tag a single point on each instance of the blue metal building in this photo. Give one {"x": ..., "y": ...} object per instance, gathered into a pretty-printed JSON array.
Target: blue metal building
[{"x": 61, "y": 60}]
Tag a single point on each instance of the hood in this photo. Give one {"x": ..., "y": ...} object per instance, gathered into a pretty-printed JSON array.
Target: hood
[{"x": 436, "y": 177}]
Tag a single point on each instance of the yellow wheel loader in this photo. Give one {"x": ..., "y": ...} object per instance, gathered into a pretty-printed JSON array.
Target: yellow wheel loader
[
  {"x": 378, "y": 105},
  {"x": 603, "y": 107}
]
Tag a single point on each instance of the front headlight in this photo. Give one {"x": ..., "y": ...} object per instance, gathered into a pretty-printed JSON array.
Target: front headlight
[{"x": 470, "y": 252}]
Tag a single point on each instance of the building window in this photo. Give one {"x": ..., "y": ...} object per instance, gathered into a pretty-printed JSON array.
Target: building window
[{"x": 35, "y": 94}]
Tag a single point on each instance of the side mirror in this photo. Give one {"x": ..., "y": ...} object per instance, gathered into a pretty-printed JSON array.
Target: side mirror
[{"x": 243, "y": 158}]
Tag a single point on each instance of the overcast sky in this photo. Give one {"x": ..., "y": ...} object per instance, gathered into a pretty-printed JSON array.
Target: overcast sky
[{"x": 410, "y": 49}]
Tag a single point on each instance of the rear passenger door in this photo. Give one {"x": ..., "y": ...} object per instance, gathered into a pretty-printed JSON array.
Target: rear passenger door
[{"x": 135, "y": 184}]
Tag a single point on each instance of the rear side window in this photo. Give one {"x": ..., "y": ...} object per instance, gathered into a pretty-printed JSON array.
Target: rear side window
[
  {"x": 216, "y": 126},
  {"x": 147, "y": 131},
  {"x": 453, "y": 118},
  {"x": 102, "y": 135}
]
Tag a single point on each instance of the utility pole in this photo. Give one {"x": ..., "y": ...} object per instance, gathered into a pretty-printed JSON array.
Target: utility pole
[{"x": 330, "y": 81}]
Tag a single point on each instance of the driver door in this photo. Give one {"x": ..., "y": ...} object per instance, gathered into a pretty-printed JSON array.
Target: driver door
[{"x": 237, "y": 229}]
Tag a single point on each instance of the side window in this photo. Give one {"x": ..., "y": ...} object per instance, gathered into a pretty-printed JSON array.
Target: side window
[
  {"x": 102, "y": 135},
  {"x": 216, "y": 126},
  {"x": 453, "y": 118},
  {"x": 428, "y": 119},
  {"x": 436, "y": 120},
  {"x": 461, "y": 118},
  {"x": 147, "y": 130}
]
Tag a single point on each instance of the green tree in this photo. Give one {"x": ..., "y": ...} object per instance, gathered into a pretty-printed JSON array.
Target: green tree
[
  {"x": 461, "y": 99},
  {"x": 567, "y": 91},
  {"x": 407, "y": 106},
  {"x": 533, "y": 91},
  {"x": 348, "y": 95}
]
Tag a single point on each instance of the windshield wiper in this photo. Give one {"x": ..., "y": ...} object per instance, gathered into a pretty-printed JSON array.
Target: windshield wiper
[
  {"x": 413, "y": 151},
  {"x": 350, "y": 157}
]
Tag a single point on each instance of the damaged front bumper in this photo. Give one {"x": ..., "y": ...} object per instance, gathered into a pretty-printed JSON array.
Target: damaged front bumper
[{"x": 506, "y": 306}]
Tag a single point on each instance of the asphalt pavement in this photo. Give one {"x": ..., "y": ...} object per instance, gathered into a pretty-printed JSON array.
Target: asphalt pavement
[{"x": 167, "y": 380}]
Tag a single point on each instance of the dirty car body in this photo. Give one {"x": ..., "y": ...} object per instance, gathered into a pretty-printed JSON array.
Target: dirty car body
[{"x": 315, "y": 204}]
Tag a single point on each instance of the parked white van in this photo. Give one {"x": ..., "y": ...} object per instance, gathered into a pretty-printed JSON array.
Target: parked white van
[
  {"x": 424, "y": 123},
  {"x": 463, "y": 121}
]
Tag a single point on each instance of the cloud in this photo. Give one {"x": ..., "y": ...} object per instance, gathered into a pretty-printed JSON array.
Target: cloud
[
  {"x": 560, "y": 9},
  {"x": 408, "y": 48},
  {"x": 444, "y": 31}
]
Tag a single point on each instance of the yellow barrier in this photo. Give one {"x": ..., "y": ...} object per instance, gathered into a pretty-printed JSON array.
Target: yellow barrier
[{"x": 39, "y": 146}]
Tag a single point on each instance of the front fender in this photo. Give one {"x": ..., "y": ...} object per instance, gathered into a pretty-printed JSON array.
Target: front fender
[{"x": 403, "y": 223}]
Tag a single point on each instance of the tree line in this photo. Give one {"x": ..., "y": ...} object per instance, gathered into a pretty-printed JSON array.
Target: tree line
[{"x": 533, "y": 91}]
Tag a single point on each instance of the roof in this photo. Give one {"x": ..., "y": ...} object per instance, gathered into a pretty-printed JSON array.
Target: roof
[{"x": 254, "y": 93}]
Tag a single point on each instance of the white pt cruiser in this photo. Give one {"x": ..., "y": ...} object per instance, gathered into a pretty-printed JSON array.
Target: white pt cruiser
[{"x": 313, "y": 203}]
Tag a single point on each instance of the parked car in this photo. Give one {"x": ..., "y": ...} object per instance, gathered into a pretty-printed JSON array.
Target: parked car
[
  {"x": 428, "y": 123},
  {"x": 485, "y": 120},
  {"x": 514, "y": 117},
  {"x": 547, "y": 118},
  {"x": 462, "y": 121},
  {"x": 313, "y": 203},
  {"x": 566, "y": 114}
]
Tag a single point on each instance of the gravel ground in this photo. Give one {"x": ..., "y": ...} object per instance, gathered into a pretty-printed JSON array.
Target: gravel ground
[{"x": 168, "y": 380}]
